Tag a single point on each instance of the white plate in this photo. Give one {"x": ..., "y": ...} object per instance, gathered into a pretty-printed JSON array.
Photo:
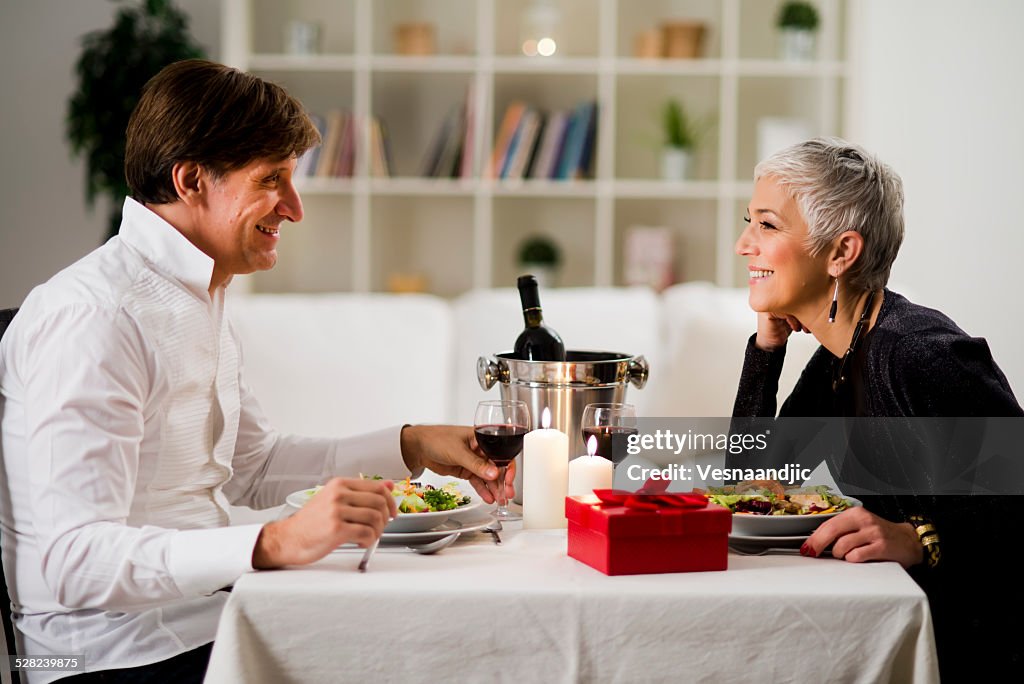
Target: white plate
[
  {"x": 783, "y": 542},
  {"x": 747, "y": 525},
  {"x": 405, "y": 522},
  {"x": 444, "y": 530}
]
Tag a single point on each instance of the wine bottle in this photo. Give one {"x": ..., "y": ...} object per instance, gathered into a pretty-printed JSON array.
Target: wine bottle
[{"x": 537, "y": 342}]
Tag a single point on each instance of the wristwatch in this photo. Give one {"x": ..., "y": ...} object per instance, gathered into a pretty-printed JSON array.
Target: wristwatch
[{"x": 928, "y": 537}]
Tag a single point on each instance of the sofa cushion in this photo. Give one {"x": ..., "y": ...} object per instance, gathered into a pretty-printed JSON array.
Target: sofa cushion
[
  {"x": 340, "y": 364},
  {"x": 706, "y": 332}
]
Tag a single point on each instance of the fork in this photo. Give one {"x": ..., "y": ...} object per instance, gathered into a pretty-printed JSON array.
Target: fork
[{"x": 492, "y": 530}]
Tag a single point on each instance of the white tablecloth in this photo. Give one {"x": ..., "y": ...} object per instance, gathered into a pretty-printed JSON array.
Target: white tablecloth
[{"x": 526, "y": 612}]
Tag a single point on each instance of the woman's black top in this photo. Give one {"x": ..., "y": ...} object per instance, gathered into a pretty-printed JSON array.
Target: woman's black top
[{"x": 915, "y": 362}]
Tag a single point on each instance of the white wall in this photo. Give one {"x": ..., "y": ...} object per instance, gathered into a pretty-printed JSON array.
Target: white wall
[
  {"x": 936, "y": 92},
  {"x": 939, "y": 95},
  {"x": 44, "y": 223}
]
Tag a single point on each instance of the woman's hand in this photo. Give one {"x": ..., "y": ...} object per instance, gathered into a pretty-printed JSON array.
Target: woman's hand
[
  {"x": 857, "y": 535},
  {"x": 774, "y": 329},
  {"x": 344, "y": 510},
  {"x": 452, "y": 450}
]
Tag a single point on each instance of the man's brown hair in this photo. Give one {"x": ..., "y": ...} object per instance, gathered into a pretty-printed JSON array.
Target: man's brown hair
[{"x": 219, "y": 117}]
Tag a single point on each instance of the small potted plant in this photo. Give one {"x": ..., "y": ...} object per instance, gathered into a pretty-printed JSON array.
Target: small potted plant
[
  {"x": 540, "y": 256},
  {"x": 680, "y": 139},
  {"x": 797, "y": 24}
]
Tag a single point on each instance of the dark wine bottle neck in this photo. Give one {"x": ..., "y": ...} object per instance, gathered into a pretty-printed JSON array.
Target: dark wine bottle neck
[{"x": 533, "y": 316}]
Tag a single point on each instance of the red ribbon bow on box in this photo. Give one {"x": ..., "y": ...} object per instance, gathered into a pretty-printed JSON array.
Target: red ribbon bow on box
[{"x": 651, "y": 497}]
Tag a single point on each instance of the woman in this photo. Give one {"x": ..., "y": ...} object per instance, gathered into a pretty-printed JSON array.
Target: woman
[{"x": 825, "y": 225}]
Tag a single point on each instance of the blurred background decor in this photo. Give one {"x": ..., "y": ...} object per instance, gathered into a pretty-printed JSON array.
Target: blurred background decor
[
  {"x": 540, "y": 256},
  {"x": 539, "y": 32},
  {"x": 114, "y": 65},
  {"x": 682, "y": 39},
  {"x": 798, "y": 26},
  {"x": 680, "y": 140}
]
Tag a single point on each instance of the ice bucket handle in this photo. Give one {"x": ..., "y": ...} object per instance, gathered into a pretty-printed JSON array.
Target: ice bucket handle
[
  {"x": 639, "y": 369},
  {"x": 489, "y": 371}
]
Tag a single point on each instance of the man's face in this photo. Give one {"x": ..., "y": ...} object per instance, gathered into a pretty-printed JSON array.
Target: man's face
[{"x": 239, "y": 220}]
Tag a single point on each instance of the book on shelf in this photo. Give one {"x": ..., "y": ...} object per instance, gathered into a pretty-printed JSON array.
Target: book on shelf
[
  {"x": 580, "y": 135},
  {"x": 444, "y": 157},
  {"x": 547, "y": 155},
  {"x": 466, "y": 162},
  {"x": 529, "y": 130},
  {"x": 380, "y": 162},
  {"x": 509, "y": 125},
  {"x": 335, "y": 123},
  {"x": 345, "y": 162},
  {"x": 306, "y": 165}
]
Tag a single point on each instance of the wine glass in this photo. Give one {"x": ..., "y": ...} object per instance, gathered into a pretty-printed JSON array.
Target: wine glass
[
  {"x": 611, "y": 424},
  {"x": 500, "y": 427}
]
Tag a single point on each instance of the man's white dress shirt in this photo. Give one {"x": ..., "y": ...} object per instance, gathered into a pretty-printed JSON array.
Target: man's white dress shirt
[{"x": 127, "y": 430}]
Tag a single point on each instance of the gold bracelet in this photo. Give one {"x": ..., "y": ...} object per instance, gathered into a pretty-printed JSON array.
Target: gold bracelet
[{"x": 929, "y": 538}]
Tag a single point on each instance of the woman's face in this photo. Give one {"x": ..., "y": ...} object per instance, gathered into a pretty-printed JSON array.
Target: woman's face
[{"x": 784, "y": 277}]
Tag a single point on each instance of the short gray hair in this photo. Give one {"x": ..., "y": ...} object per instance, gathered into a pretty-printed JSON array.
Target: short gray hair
[{"x": 840, "y": 186}]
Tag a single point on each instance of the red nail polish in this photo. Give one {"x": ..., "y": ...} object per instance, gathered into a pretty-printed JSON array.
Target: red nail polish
[{"x": 807, "y": 550}]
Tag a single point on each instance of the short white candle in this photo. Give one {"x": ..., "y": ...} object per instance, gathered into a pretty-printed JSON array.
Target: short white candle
[
  {"x": 545, "y": 476},
  {"x": 589, "y": 472}
]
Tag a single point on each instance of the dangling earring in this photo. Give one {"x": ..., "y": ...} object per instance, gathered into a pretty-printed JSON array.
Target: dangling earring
[{"x": 835, "y": 303}]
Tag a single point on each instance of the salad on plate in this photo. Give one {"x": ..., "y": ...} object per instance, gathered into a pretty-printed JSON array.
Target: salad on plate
[
  {"x": 768, "y": 497},
  {"x": 413, "y": 497}
]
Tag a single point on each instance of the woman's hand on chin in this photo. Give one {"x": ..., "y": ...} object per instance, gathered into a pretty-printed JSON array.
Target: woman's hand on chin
[{"x": 774, "y": 329}]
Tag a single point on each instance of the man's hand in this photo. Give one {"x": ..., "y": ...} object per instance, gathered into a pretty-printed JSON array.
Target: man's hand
[
  {"x": 773, "y": 330},
  {"x": 452, "y": 450},
  {"x": 344, "y": 510},
  {"x": 857, "y": 536}
]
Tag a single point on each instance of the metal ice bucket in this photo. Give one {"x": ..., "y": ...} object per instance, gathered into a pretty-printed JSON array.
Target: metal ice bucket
[{"x": 585, "y": 377}]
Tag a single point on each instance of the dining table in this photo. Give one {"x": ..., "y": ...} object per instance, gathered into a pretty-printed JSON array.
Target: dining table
[{"x": 524, "y": 611}]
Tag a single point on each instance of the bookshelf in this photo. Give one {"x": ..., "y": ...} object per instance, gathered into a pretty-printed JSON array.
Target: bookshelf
[{"x": 360, "y": 232}]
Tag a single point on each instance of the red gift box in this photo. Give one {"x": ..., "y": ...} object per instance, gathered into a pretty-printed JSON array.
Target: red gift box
[{"x": 621, "y": 540}]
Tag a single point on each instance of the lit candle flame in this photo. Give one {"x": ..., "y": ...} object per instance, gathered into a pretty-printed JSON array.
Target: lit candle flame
[
  {"x": 592, "y": 445},
  {"x": 545, "y": 418}
]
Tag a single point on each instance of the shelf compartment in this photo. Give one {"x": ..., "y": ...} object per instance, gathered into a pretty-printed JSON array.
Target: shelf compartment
[
  {"x": 453, "y": 22},
  {"x": 569, "y": 222},
  {"x": 313, "y": 255},
  {"x": 759, "y": 38},
  {"x": 692, "y": 224},
  {"x": 637, "y": 16},
  {"x": 432, "y": 98},
  {"x": 319, "y": 91},
  {"x": 422, "y": 237},
  {"x": 778, "y": 98},
  {"x": 336, "y": 19},
  {"x": 577, "y": 32},
  {"x": 639, "y": 135}
]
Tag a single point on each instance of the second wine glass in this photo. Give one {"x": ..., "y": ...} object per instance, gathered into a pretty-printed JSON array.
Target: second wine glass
[
  {"x": 500, "y": 426},
  {"x": 611, "y": 424}
]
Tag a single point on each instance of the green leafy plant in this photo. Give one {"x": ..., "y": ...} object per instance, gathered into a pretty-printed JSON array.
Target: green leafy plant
[
  {"x": 680, "y": 129},
  {"x": 798, "y": 15},
  {"x": 539, "y": 250},
  {"x": 114, "y": 66}
]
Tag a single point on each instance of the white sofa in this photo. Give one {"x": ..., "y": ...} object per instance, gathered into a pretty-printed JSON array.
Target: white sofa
[{"x": 338, "y": 364}]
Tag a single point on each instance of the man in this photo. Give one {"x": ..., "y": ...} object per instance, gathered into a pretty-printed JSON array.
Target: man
[{"x": 127, "y": 426}]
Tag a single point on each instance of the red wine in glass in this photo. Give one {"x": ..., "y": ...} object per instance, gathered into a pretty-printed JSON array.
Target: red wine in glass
[
  {"x": 501, "y": 443},
  {"x": 606, "y": 435}
]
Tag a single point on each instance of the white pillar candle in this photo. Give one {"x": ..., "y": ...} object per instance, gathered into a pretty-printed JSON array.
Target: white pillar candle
[
  {"x": 545, "y": 476},
  {"x": 589, "y": 472}
]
